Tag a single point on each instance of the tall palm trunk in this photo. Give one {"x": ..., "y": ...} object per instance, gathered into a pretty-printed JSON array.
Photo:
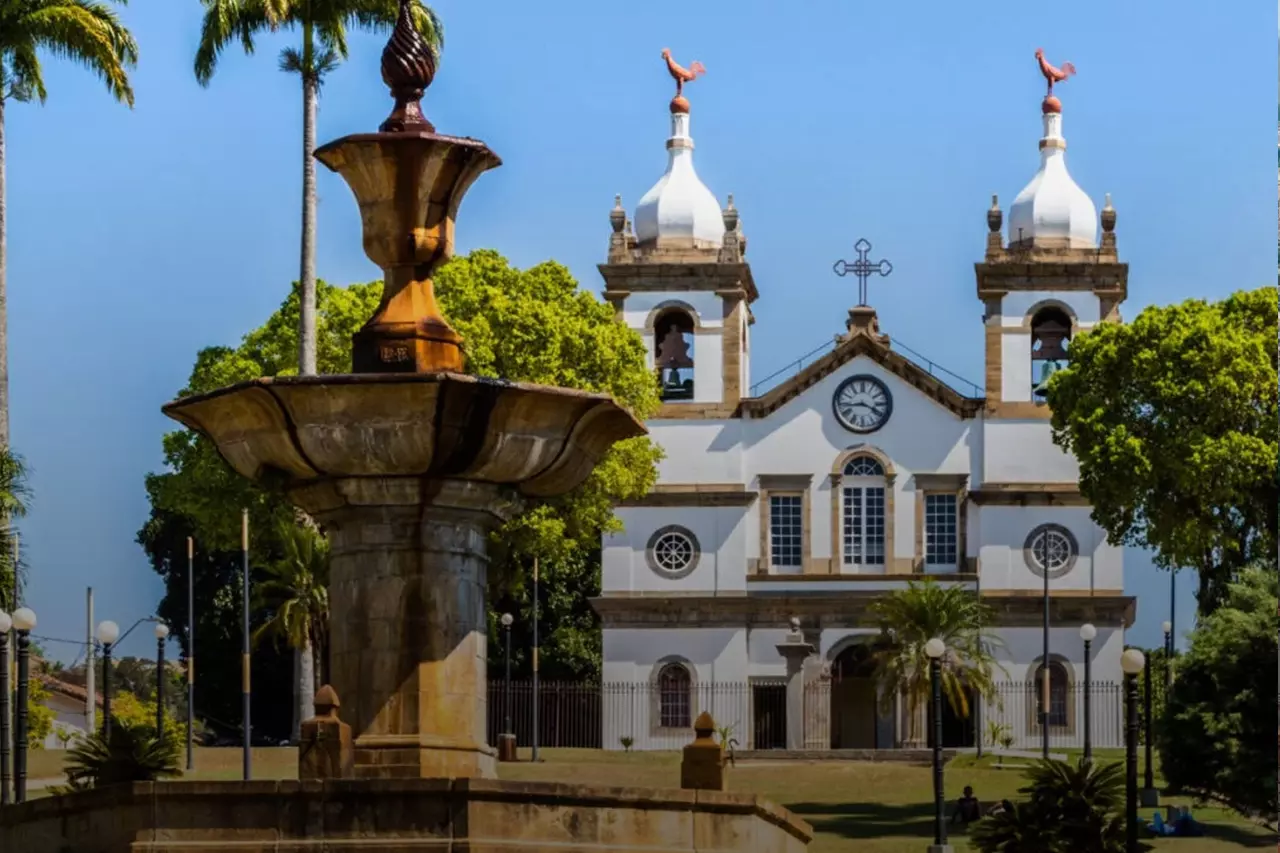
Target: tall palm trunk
[
  {"x": 4, "y": 304},
  {"x": 307, "y": 277},
  {"x": 306, "y": 683}
]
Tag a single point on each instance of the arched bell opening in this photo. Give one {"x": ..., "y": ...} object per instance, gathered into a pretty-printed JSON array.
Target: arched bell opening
[
  {"x": 1050, "y": 337},
  {"x": 673, "y": 341}
]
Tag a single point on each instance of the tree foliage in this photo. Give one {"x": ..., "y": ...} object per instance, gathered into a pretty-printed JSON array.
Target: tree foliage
[
  {"x": 131, "y": 710},
  {"x": 1173, "y": 420},
  {"x": 910, "y": 617},
  {"x": 1217, "y": 740},
  {"x": 1069, "y": 808},
  {"x": 86, "y": 31},
  {"x": 531, "y": 325}
]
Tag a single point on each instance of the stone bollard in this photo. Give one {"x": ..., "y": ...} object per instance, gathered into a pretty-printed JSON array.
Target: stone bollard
[
  {"x": 703, "y": 765},
  {"x": 325, "y": 751}
]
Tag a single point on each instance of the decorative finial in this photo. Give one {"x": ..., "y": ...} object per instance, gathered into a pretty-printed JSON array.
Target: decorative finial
[
  {"x": 617, "y": 216},
  {"x": 730, "y": 216},
  {"x": 408, "y": 67},
  {"x": 1108, "y": 216},
  {"x": 994, "y": 216},
  {"x": 1052, "y": 75},
  {"x": 680, "y": 104},
  {"x": 795, "y": 624}
]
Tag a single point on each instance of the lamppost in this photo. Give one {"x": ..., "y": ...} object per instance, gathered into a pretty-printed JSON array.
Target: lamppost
[
  {"x": 935, "y": 649},
  {"x": 6, "y": 623},
  {"x": 1087, "y": 633},
  {"x": 1132, "y": 662},
  {"x": 108, "y": 632},
  {"x": 162, "y": 634},
  {"x": 1167, "y": 627},
  {"x": 24, "y": 621},
  {"x": 1150, "y": 796},
  {"x": 507, "y": 620}
]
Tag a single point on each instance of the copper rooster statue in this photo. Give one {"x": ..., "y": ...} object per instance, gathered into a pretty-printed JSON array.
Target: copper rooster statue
[
  {"x": 1051, "y": 74},
  {"x": 680, "y": 74}
]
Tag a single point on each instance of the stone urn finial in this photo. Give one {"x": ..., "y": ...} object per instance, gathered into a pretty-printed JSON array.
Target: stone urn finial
[
  {"x": 995, "y": 217},
  {"x": 408, "y": 67}
]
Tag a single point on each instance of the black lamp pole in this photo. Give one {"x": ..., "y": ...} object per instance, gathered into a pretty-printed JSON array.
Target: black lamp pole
[
  {"x": 4, "y": 718},
  {"x": 1168, "y": 663},
  {"x": 106, "y": 691},
  {"x": 244, "y": 641},
  {"x": 160, "y": 688},
  {"x": 1088, "y": 695},
  {"x": 506, "y": 689},
  {"x": 191, "y": 653},
  {"x": 1147, "y": 781},
  {"x": 1131, "y": 762},
  {"x": 939, "y": 802},
  {"x": 1044, "y": 686},
  {"x": 20, "y": 713}
]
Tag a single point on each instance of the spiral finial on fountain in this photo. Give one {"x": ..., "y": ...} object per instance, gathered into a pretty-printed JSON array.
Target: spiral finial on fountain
[{"x": 408, "y": 67}]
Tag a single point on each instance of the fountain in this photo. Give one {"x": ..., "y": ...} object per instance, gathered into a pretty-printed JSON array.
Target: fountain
[{"x": 408, "y": 464}]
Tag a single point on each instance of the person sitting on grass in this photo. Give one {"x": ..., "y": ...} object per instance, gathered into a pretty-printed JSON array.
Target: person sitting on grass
[{"x": 967, "y": 809}]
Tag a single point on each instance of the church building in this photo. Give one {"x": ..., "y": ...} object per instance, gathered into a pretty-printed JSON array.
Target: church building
[{"x": 779, "y": 518}]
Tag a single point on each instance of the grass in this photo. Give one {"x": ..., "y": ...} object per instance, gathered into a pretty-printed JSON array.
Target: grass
[{"x": 853, "y": 806}]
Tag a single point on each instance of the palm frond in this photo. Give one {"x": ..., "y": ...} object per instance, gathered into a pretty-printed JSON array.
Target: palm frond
[
  {"x": 228, "y": 20},
  {"x": 87, "y": 32}
]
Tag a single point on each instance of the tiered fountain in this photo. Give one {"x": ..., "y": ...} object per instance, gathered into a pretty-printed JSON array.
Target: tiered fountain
[{"x": 408, "y": 464}]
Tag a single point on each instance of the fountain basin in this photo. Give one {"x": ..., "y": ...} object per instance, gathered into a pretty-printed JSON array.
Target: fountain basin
[
  {"x": 409, "y": 474},
  {"x": 404, "y": 816}
]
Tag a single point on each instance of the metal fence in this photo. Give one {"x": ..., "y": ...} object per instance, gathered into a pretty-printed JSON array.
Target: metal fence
[{"x": 646, "y": 716}]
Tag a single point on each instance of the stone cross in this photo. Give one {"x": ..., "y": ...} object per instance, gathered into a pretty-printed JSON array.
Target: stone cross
[{"x": 862, "y": 268}]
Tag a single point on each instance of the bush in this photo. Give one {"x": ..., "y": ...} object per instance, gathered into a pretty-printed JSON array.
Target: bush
[
  {"x": 131, "y": 712},
  {"x": 1070, "y": 808},
  {"x": 131, "y": 754}
]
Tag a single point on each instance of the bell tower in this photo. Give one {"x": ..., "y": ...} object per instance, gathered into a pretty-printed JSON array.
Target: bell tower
[
  {"x": 678, "y": 276},
  {"x": 1051, "y": 280}
]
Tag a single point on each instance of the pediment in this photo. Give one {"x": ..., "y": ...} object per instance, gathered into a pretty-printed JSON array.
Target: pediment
[{"x": 866, "y": 341}]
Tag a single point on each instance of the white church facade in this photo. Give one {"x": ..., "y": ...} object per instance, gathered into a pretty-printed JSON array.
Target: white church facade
[{"x": 855, "y": 476}]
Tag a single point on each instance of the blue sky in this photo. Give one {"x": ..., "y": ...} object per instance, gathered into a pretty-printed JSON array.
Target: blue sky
[{"x": 137, "y": 237}]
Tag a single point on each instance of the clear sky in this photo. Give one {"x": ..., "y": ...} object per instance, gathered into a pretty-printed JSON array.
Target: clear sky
[{"x": 137, "y": 237}]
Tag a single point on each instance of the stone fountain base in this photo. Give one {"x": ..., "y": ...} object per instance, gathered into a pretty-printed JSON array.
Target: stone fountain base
[{"x": 398, "y": 816}]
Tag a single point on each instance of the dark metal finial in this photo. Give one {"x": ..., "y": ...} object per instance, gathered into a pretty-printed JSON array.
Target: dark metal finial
[{"x": 408, "y": 67}]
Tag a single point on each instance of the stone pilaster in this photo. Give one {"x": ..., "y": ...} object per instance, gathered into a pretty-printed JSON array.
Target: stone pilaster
[
  {"x": 408, "y": 573},
  {"x": 794, "y": 651},
  {"x": 817, "y": 704}
]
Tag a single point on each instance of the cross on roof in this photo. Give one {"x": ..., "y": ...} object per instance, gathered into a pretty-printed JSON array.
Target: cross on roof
[{"x": 862, "y": 268}]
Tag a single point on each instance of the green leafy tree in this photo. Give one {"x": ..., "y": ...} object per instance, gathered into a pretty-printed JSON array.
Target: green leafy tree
[
  {"x": 322, "y": 25},
  {"x": 296, "y": 591},
  {"x": 39, "y": 715},
  {"x": 1217, "y": 738},
  {"x": 1173, "y": 420},
  {"x": 84, "y": 31},
  {"x": 532, "y": 325},
  {"x": 132, "y": 711},
  {"x": 15, "y": 497},
  {"x": 909, "y": 618}
]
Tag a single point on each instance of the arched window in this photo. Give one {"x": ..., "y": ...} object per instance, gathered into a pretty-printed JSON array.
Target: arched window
[
  {"x": 1050, "y": 335},
  {"x": 673, "y": 341},
  {"x": 675, "y": 699},
  {"x": 1058, "y": 690},
  {"x": 863, "y": 512}
]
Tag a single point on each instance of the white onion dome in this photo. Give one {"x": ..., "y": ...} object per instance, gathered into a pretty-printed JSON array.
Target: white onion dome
[
  {"x": 679, "y": 210},
  {"x": 1052, "y": 210}
]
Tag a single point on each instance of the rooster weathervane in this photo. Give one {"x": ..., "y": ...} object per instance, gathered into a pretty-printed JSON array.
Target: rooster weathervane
[
  {"x": 681, "y": 75},
  {"x": 1052, "y": 74}
]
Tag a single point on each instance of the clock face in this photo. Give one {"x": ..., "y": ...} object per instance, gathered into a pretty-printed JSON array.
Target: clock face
[{"x": 862, "y": 404}]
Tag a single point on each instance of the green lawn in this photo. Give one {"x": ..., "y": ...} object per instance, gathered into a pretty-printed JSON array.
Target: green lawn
[{"x": 853, "y": 807}]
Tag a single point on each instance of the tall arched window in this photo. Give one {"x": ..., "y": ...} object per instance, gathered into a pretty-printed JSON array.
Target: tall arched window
[
  {"x": 862, "y": 517},
  {"x": 1058, "y": 690},
  {"x": 673, "y": 338},
  {"x": 1050, "y": 335},
  {"x": 675, "y": 699}
]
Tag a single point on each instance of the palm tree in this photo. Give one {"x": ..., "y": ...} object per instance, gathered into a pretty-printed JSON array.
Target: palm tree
[
  {"x": 86, "y": 31},
  {"x": 131, "y": 754},
  {"x": 323, "y": 25},
  {"x": 909, "y": 618},
  {"x": 297, "y": 590},
  {"x": 15, "y": 496}
]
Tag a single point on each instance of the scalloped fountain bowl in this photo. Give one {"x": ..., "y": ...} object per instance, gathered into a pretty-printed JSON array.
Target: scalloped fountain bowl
[{"x": 408, "y": 474}]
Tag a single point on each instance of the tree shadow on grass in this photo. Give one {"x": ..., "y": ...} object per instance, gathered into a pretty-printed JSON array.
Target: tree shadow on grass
[
  {"x": 1250, "y": 837},
  {"x": 868, "y": 820}
]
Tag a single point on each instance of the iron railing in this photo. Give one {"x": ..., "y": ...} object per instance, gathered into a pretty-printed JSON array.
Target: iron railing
[{"x": 645, "y": 716}]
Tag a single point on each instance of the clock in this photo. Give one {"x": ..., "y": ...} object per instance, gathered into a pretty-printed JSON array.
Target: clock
[{"x": 862, "y": 404}]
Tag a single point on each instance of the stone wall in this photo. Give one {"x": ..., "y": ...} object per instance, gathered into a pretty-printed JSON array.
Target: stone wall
[{"x": 404, "y": 815}]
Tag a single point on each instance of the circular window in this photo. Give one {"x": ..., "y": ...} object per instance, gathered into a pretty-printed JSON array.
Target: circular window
[
  {"x": 673, "y": 551},
  {"x": 1050, "y": 550}
]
